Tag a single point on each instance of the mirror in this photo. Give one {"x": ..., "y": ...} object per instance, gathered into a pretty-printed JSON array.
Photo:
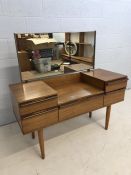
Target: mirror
[{"x": 46, "y": 54}]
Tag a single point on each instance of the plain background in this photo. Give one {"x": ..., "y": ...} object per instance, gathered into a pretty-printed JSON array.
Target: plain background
[{"x": 110, "y": 18}]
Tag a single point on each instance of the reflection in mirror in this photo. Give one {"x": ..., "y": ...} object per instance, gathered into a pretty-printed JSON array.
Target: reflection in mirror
[{"x": 46, "y": 54}]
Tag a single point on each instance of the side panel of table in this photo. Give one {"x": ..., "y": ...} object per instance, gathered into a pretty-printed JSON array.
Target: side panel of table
[{"x": 114, "y": 97}]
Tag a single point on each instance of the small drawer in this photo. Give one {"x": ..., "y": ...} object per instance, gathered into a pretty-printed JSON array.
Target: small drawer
[
  {"x": 116, "y": 85},
  {"x": 37, "y": 105},
  {"x": 80, "y": 107},
  {"x": 39, "y": 120},
  {"x": 114, "y": 97}
]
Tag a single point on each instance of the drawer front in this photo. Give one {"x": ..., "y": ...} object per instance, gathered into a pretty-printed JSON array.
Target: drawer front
[
  {"x": 114, "y": 97},
  {"x": 39, "y": 120},
  {"x": 115, "y": 85},
  {"x": 80, "y": 107},
  {"x": 34, "y": 106}
]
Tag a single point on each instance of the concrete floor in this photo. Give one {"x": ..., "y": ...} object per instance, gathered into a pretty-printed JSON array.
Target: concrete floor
[{"x": 79, "y": 146}]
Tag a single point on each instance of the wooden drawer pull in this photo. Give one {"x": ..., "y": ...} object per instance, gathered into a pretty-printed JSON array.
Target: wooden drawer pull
[
  {"x": 40, "y": 113},
  {"x": 36, "y": 101},
  {"x": 116, "y": 82},
  {"x": 79, "y": 101}
]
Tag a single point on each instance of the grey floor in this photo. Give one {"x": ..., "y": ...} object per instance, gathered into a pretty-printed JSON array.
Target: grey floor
[{"x": 79, "y": 146}]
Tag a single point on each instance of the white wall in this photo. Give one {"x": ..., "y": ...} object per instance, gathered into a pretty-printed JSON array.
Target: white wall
[{"x": 110, "y": 18}]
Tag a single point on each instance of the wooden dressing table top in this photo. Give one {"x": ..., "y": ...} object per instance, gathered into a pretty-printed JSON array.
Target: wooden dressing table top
[
  {"x": 105, "y": 75},
  {"x": 31, "y": 91},
  {"x": 67, "y": 92}
]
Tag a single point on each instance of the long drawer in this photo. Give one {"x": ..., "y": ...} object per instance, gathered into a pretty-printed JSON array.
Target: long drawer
[
  {"x": 80, "y": 107},
  {"x": 39, "y": 120},
  {"x": 114, "y": 97},
  {"x": 37, "y": 105}
]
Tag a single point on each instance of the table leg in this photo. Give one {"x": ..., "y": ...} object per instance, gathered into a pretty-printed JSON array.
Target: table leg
[
  {"x": 33, "y": 135},
  {"x": 41, "y": 142},
  {"x": 108, "y": 111},
  {"x": 90, "y": 114}
]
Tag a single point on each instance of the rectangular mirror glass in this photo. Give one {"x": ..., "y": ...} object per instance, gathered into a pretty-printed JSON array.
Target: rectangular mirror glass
[{"x": 48, "y": 54}]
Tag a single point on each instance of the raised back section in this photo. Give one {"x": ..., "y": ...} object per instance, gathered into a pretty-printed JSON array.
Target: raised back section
[
  {"x": 62, "y": 80},
  {"x": 105, "y": 80},
  {"x": 92, "y": 81}
]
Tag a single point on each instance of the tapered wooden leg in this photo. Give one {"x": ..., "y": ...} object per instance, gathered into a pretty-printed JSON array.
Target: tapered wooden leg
[
  {"x": 108, "y": 110},
  {"x": 90, "y": 114},
  {"x": 41, "y": 142},
  {"x": 33, "y": 135}
]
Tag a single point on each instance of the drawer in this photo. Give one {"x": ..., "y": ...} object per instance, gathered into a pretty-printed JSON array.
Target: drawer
[
  {"x": 114, "y": 97},
  {"x": 39, "y": 120},
  {"x": 37, "y": 105},
  {"x": 116, "y": 85},
  {"x": 80, "y": 107}
]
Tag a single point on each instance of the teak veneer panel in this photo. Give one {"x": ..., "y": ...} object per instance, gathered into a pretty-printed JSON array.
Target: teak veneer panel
[
  {"x": 93, "y": 81},
  {"x": 38, "y": 105},
  {"x": 39, "y": 120},
  {"x": 25, "y": 92},
  {"x": 116, "y": 85},
  {"x": 73, "y": 88},
  {"x": 80, "y": 107},
  {"x": 16, "y": 109},
  {"x": 62, "y": 80},
  {"x": 106, "y": 80},
  {"x": 76, "y": 91},
  {"x": 105, "y": 75},
  {"x": 114, "y": 97}
]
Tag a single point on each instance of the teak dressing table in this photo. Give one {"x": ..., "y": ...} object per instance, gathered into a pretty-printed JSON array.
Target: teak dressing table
[{"x": 39, "y": 104}]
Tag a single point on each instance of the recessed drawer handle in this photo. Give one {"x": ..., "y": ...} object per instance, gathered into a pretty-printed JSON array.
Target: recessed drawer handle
[
  {"x": 40, "y": 113},
  {"x": 116, "y": 82},
  {"x": 79, "y": 101},
  {"x": 36, "y": 101}
]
